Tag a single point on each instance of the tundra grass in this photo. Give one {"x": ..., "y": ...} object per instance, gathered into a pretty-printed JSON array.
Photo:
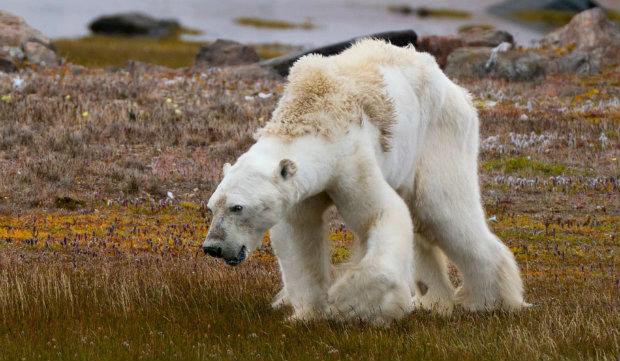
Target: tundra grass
[
  {"x": 104, "y": 179},
  {"x": 130, "y": 283}
]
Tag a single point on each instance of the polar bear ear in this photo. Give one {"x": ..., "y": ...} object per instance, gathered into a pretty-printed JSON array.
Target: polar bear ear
[
  {"x": 287, "y": 168},
  {"x": 226, "y": 168}
]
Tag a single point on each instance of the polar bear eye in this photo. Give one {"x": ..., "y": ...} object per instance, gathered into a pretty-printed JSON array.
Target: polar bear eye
[{"x": 236, "y": 208}]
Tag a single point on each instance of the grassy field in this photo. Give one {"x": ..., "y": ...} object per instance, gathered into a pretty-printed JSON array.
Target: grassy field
[{"x": 98, "y": 262}]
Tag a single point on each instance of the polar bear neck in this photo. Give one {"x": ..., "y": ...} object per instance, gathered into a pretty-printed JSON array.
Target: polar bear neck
[
  {"x": 314, "y": 168},
  {"x": 326, "y": 96}
]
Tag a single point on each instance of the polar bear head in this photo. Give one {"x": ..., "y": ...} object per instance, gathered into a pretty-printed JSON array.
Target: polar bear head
[{"x": 251, "y": 198}]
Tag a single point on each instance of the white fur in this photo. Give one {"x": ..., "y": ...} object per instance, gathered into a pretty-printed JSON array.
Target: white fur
[{"x": 428, "y": 177}]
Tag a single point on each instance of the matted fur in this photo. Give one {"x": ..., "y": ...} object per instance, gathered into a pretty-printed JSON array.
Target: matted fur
[{"x": 326, "y": 95}]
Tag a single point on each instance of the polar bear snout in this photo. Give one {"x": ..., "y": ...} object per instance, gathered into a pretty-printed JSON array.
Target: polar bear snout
[
  {"x": 219, "y": 249},
  {"x": 213, "y": 251}
]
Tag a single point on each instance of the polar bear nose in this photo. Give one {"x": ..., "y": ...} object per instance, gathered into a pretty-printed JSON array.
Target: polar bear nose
[{"x": 213, "y": 251}]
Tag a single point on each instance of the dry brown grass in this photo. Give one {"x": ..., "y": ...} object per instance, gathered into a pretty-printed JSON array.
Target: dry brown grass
[
  {"x": 97, "y": 264},
  {"x": 126, "y": 135}
]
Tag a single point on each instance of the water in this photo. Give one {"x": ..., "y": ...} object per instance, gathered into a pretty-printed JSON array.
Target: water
[{"x": 334, "y": 19}]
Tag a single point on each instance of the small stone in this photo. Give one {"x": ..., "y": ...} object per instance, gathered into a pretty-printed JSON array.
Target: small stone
[{"x": 226, "y": 52}]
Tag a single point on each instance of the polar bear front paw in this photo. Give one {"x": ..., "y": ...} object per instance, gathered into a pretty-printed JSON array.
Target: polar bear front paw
[
  {"x": 307, "y": 314},
  {"x": 368, "y": 295}
]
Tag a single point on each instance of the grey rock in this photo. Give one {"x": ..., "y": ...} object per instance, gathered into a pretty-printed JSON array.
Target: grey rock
[
  {"x": 133, "y": 24},
  {"x": 515, "y": 65},
  {"x": 442, "y": 46},
  {"x": 578, "y": 62},
  {"x": 586, "y": 30},
  {"x": 20, "y": 42},
  {"x": 593, "y": 41},
  {"x": 488, "y": 38},
  {"x": 226, "y": 52}
]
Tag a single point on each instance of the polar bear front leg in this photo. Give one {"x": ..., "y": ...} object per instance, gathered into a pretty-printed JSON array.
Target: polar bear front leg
[
  {"x": 377, "y": 288},
  {"x": 302, "y": 247}
]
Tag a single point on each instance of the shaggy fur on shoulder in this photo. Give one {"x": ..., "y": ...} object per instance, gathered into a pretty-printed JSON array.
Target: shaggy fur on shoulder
[{"x": 325, "y": 95}]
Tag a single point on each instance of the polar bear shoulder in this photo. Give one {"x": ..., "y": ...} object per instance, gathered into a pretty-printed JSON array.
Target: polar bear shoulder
[{"x": 327, "y": 95}]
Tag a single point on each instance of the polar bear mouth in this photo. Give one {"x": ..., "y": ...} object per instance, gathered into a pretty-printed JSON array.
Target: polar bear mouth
[{"x": 240, "y": 257}]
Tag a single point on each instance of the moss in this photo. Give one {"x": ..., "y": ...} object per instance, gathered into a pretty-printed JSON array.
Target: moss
[
  {"x": 273, "y": 24},
  {"x": 553, "y": 18},
  {"x": 524, "y": 164},
  {"x": 475, "y": 27},
  {"x": 172, "y": 52},
  {"x": 442, "y": 13},
  {"x": 99, "y": 50},
  {"x": 268, "y": 51}
]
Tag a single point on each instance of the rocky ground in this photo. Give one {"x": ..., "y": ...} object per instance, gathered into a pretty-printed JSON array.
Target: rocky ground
[{"x": 104, "y": 173}]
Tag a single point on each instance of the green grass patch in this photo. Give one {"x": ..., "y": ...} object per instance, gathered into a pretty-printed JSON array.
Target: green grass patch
[
  {"x": 273, "y": 24},
  {"x": 554, "y": 18},
  {"x": 475, "y": 27},
  {"x": 443, "y": 13},
  {"x": 523, "y": 164},
  {"x": 172, "y": 52},
  {"x": 99, "y": 50}
]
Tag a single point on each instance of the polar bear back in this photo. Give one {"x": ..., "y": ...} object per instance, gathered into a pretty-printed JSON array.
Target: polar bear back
[{"x": 327, "y": 95}]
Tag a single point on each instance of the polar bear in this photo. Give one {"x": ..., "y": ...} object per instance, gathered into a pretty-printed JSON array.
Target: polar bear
[{"x": 381, "y": 133}]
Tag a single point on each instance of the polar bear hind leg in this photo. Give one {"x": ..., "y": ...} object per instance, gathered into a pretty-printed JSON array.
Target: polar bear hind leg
[
  {"x": 433, "y": 289},
  {"x": 449, "y": 214}
]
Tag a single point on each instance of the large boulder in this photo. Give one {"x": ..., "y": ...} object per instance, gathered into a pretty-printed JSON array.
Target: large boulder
[
  {"x": 588, "y": 29},
  {"x": 134, "y": 24},
  {"x": 20, "y": 42},
  {"x": 509, "y": 64},
  {"x": 226, "y": 52},
  {"x": 442, "y": 46},
  {"x": 589, "y": 43}
]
